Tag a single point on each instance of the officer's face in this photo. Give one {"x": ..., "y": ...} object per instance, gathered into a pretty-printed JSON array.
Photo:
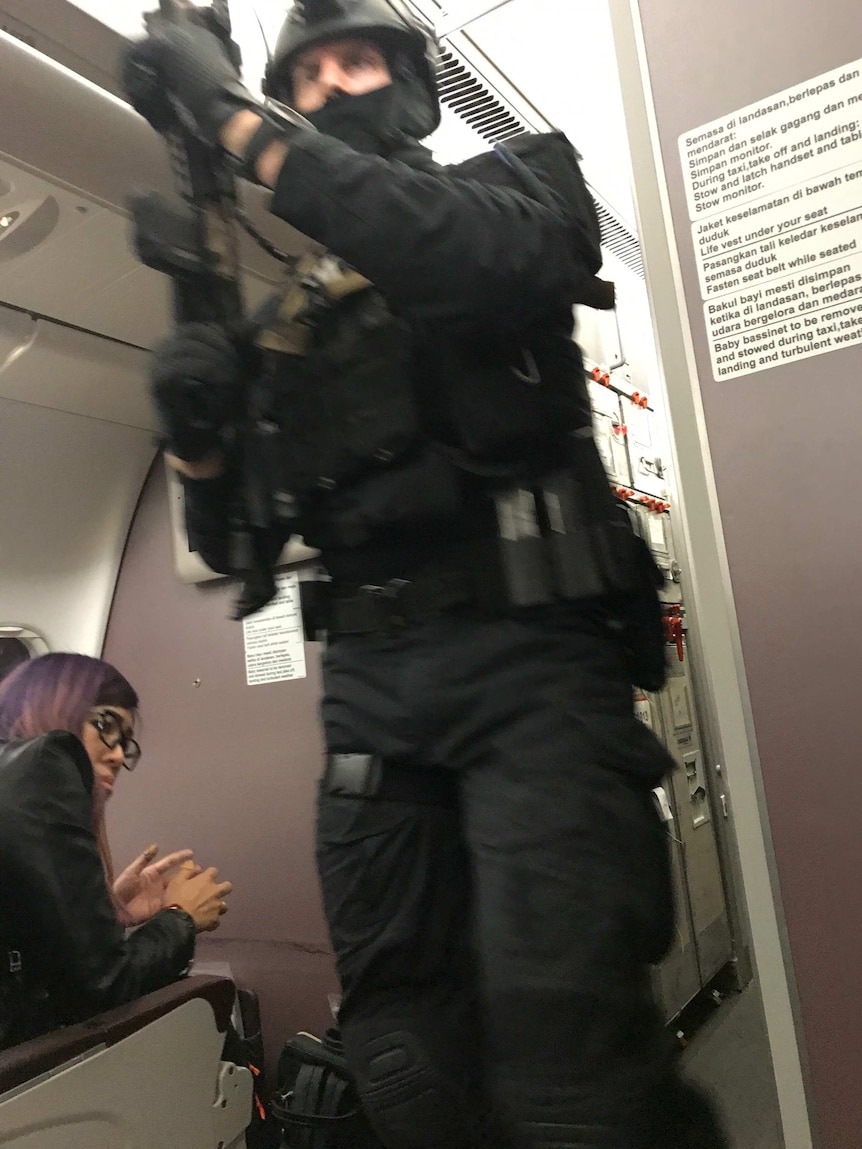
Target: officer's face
[{"x": 347, "y": 67}]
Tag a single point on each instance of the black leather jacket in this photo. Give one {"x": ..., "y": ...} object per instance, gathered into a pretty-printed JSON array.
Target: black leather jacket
[{"x": 55, "y": 910}]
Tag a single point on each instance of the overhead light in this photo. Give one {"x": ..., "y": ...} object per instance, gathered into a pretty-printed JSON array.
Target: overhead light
[{"x": 27, "y": 226}]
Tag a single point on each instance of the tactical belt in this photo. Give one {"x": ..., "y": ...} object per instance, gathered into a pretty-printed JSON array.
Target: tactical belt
[
  {"x": 368, "y": 609},
  {"x": 368, "y": 776}
]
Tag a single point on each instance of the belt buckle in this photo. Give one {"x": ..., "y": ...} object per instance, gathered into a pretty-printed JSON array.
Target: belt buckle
[
  {"x": 388, "y": 597},
  {"x": 15, "y": 964}
]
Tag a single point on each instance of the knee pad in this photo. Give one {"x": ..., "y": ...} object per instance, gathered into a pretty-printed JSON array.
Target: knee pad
[{"x": 413, "y": 1103}]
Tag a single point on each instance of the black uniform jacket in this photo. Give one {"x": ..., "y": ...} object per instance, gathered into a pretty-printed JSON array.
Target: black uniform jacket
[
  {"x": 467, "y": 262},
  {"x": 55, "y": 910}
]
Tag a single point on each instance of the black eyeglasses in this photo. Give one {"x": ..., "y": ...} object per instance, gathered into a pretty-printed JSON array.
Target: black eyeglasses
[{"x": 113, "y": 735}]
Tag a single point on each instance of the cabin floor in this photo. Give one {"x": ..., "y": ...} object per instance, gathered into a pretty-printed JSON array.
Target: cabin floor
[{"x": 729, "y": 1055}]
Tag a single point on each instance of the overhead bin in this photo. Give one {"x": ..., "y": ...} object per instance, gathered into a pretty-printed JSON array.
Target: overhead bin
[
  {"x": 48, "y": 365},
  {"x": 71, "y": 155},
  {"x": 17, "y": 332}
]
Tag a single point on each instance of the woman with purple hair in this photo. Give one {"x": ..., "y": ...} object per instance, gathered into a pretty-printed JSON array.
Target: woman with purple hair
[{"x": 66, "y": 729}]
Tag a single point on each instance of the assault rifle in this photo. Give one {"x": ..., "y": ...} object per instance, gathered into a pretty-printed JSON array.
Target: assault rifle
[{"x": 195, "y": 240}]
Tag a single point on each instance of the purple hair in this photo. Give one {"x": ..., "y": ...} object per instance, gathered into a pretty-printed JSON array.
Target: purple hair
[{"x": 56, "y": 692}]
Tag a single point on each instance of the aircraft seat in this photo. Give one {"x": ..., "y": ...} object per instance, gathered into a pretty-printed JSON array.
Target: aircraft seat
[{"x": 147, "y": 1075}]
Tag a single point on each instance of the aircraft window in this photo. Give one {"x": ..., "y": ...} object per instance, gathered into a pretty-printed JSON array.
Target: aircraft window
[{"x": 17, "y": 644}]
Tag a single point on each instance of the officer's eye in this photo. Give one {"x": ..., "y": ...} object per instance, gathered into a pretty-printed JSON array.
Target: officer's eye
[
  {"x": 361, "y": 59},
  {"x": 305, "y": 73}
]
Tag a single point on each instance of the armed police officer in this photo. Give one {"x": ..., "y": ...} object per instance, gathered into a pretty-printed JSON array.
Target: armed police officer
[{"x": 494, "y": 872}]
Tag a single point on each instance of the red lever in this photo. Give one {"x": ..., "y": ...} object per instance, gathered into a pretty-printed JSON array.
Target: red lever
[
  {"x": 677, "y": 634},
  {"x": 673, "y": 631},
  {"x": 606, "y": 379},
  {"x": 597, "y": 373},
  {"x": 644, "y": 402}
]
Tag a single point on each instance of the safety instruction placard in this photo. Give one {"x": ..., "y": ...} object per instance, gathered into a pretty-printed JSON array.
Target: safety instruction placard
[
  {"x": 274, "y": 640},
  {"x": 774, "y": 193}
]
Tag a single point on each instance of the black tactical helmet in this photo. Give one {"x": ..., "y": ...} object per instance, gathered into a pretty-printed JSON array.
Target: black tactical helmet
[{"x": 401, "y": 35}]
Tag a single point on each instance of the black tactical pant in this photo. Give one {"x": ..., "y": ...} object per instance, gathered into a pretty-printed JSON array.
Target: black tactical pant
[{"x": 493, "y": 930}]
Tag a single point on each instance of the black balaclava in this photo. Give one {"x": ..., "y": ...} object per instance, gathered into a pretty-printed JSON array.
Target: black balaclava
[{"x": 362, "y": 122}]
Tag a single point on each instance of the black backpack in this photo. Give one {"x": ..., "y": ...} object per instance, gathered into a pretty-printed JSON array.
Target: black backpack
[
  {"x": 316, "y": 1102},
  {"x": 546, "y": 167}
]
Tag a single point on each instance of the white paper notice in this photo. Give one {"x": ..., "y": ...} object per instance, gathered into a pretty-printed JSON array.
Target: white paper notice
[
  {"x": 274, "y": 644},
  {"x": 657, "y": 539},
  {"x": 775, "y": 193}
]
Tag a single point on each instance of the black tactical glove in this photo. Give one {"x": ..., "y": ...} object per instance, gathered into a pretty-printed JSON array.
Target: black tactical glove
[
  {"x": 182, "y": 66},
  {"x": 196, "y": 383}
]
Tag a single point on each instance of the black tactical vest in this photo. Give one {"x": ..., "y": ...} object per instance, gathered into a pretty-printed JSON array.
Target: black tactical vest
[{"x": 377, "y": 422}]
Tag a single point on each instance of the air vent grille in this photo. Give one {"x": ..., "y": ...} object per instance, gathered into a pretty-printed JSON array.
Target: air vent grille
[
  {"x": 618, "y": 240},
  {"x": 487, "y": 114},
  {"x": 468, "y": 97}
]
